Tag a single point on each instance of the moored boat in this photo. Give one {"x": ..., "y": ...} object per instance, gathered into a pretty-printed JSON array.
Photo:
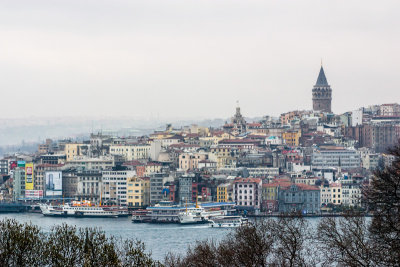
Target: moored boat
[
  {"x": 228, "y": 221},
  {"x": 82, "y": 209}
]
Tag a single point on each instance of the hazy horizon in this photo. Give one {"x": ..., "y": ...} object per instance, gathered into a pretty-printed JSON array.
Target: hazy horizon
[{"x": 193, "y": 59}]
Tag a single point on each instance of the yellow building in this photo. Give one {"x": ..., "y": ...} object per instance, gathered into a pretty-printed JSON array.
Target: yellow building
[
  {"x": 152, "y": 167},
  {"x": 223, "y": 157},
  {"x": 225, "y": 193},
  {"x": 72, "y": 150},
  {"x": 291, "y": 138},
  {"x": 336, "y": 191},
  {"x": 138, "y": 192},
  {"x": 269, "y": 191}
]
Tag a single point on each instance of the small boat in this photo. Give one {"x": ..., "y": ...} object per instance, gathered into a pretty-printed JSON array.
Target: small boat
[{"x": 228, "y": 221}]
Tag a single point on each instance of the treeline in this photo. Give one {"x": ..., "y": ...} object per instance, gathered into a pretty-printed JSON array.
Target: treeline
[{"x": 65, "y": 245}]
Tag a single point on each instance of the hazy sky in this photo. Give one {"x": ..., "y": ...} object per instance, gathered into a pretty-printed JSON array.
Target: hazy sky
[{"x": 194, "y": 59}]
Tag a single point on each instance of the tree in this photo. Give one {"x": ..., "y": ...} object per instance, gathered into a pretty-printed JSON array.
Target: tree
[
  {"x": 21, "y": 244},
  {"x": 383, "y": 198},
  {"x": 63, "y": 247},
  {"x": 346, "y": 241}
]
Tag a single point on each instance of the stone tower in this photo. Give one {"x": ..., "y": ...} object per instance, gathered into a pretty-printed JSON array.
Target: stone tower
[{"x": 322, "y": 94}]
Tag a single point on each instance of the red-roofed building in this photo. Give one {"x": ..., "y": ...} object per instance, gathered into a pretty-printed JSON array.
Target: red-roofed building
[
  {"x": 299, "y": 198},
  {"x": 247, "y": 193}
]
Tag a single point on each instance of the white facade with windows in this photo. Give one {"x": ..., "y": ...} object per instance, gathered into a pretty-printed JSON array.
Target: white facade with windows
[
  {"x": 114, "y": 186},
  {"x": 344, "y": 158}
]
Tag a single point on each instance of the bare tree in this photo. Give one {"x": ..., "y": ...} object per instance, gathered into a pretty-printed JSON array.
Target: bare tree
[
  {"x": 383, "y": 197},
  {"x": 345, "y": 240}
]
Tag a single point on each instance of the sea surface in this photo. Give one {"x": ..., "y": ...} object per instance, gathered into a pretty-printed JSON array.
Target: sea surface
[{"x": 159, "y": 238}]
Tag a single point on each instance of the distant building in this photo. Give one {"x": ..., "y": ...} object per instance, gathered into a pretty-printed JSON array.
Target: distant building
[
  {"x": 247, "y": 193},
  {"x": 18, "y": 183},
  {"x": 322, "y": 94},
  {"x": 114, "y": 186},
  {"x": 3, "y": 166},
  {"x": 225, "y": 192},
  {"x": 89, "y": 185},
  {"x": 299, "y": 198},
  {"x": 157, "y": 181},
  {"x": 335, "y": 157},
  {"x": 138, "y": 192}
]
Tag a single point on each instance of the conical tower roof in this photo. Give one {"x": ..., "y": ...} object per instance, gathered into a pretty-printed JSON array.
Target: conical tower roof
[{"x": 321, "y": 81}]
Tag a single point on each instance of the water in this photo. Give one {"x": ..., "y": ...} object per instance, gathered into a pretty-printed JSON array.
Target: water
[{"x": 159, "y": 238}]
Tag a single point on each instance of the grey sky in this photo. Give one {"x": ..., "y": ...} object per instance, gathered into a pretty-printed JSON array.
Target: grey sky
[{"x": 194, "y": 58}]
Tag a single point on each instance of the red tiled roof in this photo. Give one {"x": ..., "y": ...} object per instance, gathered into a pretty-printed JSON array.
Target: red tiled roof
[{"x": 247, "y": 180}]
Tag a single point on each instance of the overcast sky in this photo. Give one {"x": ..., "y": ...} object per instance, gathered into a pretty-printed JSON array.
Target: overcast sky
[{"x": 194, "y": 59}]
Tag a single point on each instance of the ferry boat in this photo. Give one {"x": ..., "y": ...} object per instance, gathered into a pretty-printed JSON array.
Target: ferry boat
[
  {"x": 228, "y": 221},
  {"x": 167, "y": 212},
  {"x": 199, "y": 215},
  {"x": 82, "y": 209},
  {"x": 191, "y": 216}
]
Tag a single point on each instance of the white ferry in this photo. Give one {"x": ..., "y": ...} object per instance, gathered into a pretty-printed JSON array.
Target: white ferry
[
  {"x": 167, "y": 212},
  {"x": 192, "y": 215},
  {"x": 228, "y": 221},
  {"x": 82, "y": 209},
  {"x": 199, "y": 215}
]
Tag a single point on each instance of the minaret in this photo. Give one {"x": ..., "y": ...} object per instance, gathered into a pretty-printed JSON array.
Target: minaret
[{"x": 322, "y": 93}]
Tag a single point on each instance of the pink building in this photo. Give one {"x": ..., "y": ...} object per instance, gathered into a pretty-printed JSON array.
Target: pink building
[{"x": 247, "y": 193}]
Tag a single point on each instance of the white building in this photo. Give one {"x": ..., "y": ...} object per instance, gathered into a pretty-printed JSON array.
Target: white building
[
  {"x": 87, "y": 163},
  {"x": 132, "y": 151},
  {"x": 335, "y": 157},
  {"x": 356, "y": 117},
  {"x": 247, "y": 193},
  {"x": 114, "y": 186}
]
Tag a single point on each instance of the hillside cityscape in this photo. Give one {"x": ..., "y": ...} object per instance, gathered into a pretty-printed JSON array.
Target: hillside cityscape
[{"x": 308, "y": 161}]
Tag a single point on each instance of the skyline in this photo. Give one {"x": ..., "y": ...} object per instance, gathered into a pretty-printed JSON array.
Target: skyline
[{"x": 192, "y": 60}]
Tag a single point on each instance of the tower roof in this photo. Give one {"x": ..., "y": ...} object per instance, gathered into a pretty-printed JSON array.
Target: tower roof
[{"x": 321, "y": 81}]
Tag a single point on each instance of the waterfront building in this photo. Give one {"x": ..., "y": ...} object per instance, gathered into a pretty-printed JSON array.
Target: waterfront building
[
  {"x": 157, "y": 182},
  {"x": 114, "y": 186},
  {"x": 247, "y": 193},
  {"x": 186, "y": 187},
  {"x": 138, "y": 192},
  {"x": 69, "y": 183},
  {"x": 299, "y": 198},
  {"x": 39, "y": 183},
  {"x": 351, "y": 192},
  {"x": 18, "y": 183},
  {"x": 225, "y": 192},
  {"x": 89, "y": 185}
]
